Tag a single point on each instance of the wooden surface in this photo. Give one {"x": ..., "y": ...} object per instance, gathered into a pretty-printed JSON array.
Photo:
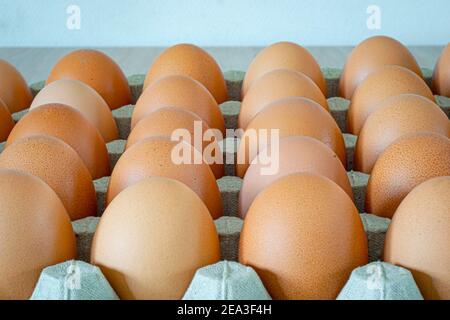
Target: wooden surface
[{"x": 36, "y": 63}]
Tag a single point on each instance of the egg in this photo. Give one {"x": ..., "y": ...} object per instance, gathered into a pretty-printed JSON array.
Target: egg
[
  {"x": 165, "y": 122},
  {"x": 152, "y": 238},
  {"x": 98, "y": 71},
  {"x": 294, "y": 116},
  {"x": 387, "y": 81},
  {"x": 418, "y": 237},
  {"x": 295, "y": 154},
  {"x": 6, "y": 121},
  {"x": 303, "y": 236},
  {"x": 406, "y": 163},
  {"x": 35, "y": 232},
  {"x": 159, "y": 156},
  {"x": 441, "y": 74},
  {"x": 80, "y": 96},
  {"x": 69, "y": 125},
  {"x": 368, "y": 56},
  {"x": 284, "y": 55},
  {"x": 274, "y": 85},
  {"x": 14, "y": 90},
  {"x": 180, "y": 92},
  {"x": 58, "y": 165},
  {"x": 191, "y": 61},
  {"x": 395, "y": 117}
]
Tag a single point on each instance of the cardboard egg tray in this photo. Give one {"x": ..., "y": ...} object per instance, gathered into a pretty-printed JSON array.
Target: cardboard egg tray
[{"x": 229, "y": 226}]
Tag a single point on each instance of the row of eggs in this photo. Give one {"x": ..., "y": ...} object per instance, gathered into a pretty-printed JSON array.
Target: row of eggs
[{"x": 309, "y": 179}]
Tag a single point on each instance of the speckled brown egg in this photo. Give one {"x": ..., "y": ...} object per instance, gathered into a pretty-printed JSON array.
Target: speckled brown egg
[
  {"x": 191, "y": 61},
  {"x": 295, "y": 154},
  {"x": 152, "y": 238},
  {"x": 159, "y": 156},
  {"x": 69, "y": 125},
  {"x": 285, "y": 55},
  {"x": 418, "y": 237},
  {"x": 6, "y": 121},
  {"x": 394, "y": 118},
  {"x": 180, "y": 92},
  {"x": 406, "y": 163},
  {"x": 35, "y": 232},
  {"x": 165, "y": 122},
  {"x": 293, "y": 116},
  {"x": 368, "y": 56},
  {"x": 441, "y": 74},
  {"x": 98, "y": 71},
  {"x": 14, "y": 90},
  {"x": 303, "y": 236},
  {"x": 388, "y": 81},
  {"x": 57, "y": 164},
  {"x": 80, "y": 96},
  {"x": 274, "y": 85}
]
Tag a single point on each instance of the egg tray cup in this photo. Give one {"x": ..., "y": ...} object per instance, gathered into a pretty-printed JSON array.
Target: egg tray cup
[{"x": 229, "y": 225}]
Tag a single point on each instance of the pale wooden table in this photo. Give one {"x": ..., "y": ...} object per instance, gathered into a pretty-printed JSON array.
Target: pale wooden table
[{"x": 36, "y": 63}]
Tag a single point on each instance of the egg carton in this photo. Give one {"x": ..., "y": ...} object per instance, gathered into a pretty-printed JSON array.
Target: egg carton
[{"x": 229, "y": 226}]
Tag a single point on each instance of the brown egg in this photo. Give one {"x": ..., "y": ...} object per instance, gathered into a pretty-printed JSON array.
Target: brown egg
[
  {"x": 180, "y": 92},
  {"x": 14, "y": 90},
  {"x": 293, "y": 116},
  {"x": 80, "y": 96},
  {"x": 98, "y": 71},
  {"x": 58, "y": 165},
  {"x": 295, "y": 154},
  {"x": 274, "y": 85},
  {"x": 191, "y": 61},
  {"x": 387, "y": 81},
  {"x": 418, "y": 237},
  {"x": 285, "y": 55},
  {"x": 164, "y": 122},
  {"x": 35, "y": 232},
  {"x": 406, "y": 163},
  {"x": 368, "y": 56},
  {"x": 6, "y": 121},
  {"x": 303, "y": 236},
  {"x": 441, "y": 74},
  {"x": 69, "y": 125},
  {"x": 156, "y": 157},
  {"x": 394, "y": 118},
  {"x": 152, "y": 238}
]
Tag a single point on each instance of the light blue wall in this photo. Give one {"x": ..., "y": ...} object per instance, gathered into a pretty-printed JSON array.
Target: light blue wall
[{"x": 220, "y": 22}]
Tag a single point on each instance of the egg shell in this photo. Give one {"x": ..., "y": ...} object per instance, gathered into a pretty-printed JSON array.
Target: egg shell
[
  {"x": 296, "y": 154},
  {"x": 285, "y": 55},
  {"x": 395, "y": 117},
  {"x": 14, "y": 90},
  {"x": 98, "y": 71},
  {"x": 69, "y": 125},
  {"x": 35, "y": 232},
  {"x": 154, "y": 157},
  {"x": 368, "y": 56},
  {"x": 80, "y": 96},
  {"x": 6, "y": 121},
  {"x": 418, "y": 237},
  {"x": 58, "y": 165},
  {"x": 303, "y": 236},
  {"x": 387, "y": 81},
  {"x": 294, "y": 116},
  {"x": 406, "y": 163},
  {"x": 180, "y": 92},
  {"x": 164, "y": 122},
  {"x": 274, "y": 85},
  {"x": 191, "y": 61},
  {"x": 152, "y": 238},
  {"x": 441, "y": 74}
]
